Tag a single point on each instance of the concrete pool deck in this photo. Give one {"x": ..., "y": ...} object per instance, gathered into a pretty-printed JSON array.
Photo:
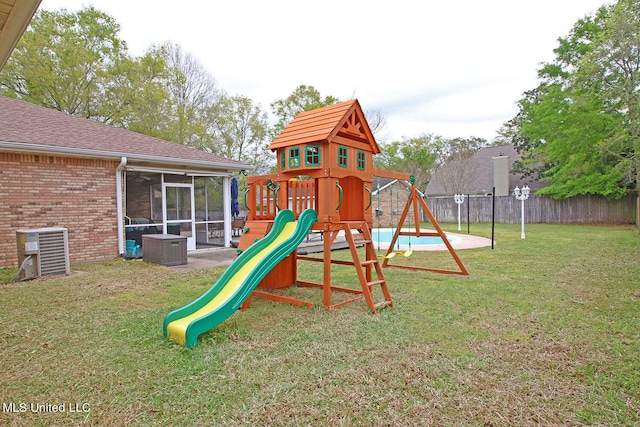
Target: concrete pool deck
[{"x": 458, "y": 241}]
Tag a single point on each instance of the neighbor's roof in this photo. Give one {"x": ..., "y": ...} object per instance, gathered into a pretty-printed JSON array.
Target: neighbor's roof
[
  {"x": 482, "y": 183},
  {"x": 15, "y": 16},
  {"x": 345, "y": 119},
  {"x": 31, "y": 128}
]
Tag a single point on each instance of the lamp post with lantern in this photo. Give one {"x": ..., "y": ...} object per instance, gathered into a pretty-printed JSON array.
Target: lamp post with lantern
[
  {"x": 459, "y": 198},
  {"x": 522, "y": 195}
]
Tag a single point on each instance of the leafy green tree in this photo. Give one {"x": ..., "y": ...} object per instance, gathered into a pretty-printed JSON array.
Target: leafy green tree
[
  {"x": 576, "y": 129},
  {"x": 76, "y": 63},
  {"x": 136, "y": 98},
  {"x": 462, "y": 148},
  {"x": 63, "y": 61},
  {"x": 613, "y": 67},
  {"x": 418, "y": 156},
  {"x": 241, "y": 129},
  {"x": 303, "y": 98}
]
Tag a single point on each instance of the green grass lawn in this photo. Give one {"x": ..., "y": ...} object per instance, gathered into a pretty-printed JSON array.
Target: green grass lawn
[{"x": 545, "y": 331}]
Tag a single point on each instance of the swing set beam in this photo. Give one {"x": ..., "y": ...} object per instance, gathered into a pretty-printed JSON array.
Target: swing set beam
[{"x": 383, "y": 173}]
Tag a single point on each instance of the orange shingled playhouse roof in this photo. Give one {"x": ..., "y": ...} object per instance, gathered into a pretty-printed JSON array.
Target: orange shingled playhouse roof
[{"x": 325, "y": 123}]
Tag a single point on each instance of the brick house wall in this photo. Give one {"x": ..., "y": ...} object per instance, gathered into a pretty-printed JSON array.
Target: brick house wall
[
  {"x": 392, "y": 201},
  {"x": 49, "y": 191}
]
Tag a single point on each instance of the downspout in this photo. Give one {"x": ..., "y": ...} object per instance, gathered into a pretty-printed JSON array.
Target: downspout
[
  {"x": 226, "y": 202},
  {"x": 119, "y": 169}
]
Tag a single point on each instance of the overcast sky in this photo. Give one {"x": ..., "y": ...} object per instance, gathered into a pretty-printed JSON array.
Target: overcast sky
[{"x": 454, "y": 68}]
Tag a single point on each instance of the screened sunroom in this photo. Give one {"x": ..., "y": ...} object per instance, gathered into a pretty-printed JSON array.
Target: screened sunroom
[{"x": 192, "y": 205}]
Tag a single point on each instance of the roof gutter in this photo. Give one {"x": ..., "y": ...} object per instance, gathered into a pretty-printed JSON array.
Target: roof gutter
[
  {"x": 111, "y": 155},
  {"x": 20, "y": 15}
]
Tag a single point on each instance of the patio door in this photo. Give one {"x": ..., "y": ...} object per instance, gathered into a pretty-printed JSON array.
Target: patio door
[{"x": 178, "y": 211}]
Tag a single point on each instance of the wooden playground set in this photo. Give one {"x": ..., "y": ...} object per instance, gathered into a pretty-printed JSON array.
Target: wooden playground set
[{"x": 324, "y": 162}]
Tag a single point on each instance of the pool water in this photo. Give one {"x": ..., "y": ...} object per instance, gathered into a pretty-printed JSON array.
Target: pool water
[{"x": 384, "y": 235}]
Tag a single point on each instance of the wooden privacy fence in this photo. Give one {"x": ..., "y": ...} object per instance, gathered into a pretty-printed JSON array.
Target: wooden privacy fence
[{"x": 538, "y": 209}]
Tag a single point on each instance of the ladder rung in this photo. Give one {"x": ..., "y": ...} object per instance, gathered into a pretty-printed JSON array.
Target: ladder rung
[
  {"x": 383, "y": 304},
  {"x": 361, "y": 241},
  {"x": 375, "y": 282},
  {"x": 369, "y": 262}
]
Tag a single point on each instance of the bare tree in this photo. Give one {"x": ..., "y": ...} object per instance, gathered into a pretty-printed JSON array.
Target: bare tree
[
  {"x": 458, "y": 174},
  {"x": 458, "y": 169},
  {"x": 192, "y": 90},
  {"x": 377, "y": 122}
]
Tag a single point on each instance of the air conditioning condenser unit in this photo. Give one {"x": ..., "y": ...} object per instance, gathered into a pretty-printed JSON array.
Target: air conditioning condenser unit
[{"x": 43, "y": 252}]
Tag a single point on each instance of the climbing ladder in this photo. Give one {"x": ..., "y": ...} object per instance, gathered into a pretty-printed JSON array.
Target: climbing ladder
[
  {"x": 365, "y": 267},
  {"x": 357, "y": 234}
]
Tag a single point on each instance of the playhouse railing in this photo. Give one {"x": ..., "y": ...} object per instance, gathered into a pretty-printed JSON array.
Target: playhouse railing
[
  {"x": 261, "y": 198},
  {"x": 301, "y": 195},
  {"x": 265, "y": 196}
]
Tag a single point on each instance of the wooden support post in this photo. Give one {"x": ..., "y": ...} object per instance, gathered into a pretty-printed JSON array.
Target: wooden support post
[{"x": 326, "y": 283}]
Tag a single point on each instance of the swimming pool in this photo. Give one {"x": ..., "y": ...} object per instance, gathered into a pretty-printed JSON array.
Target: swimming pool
[{"x": 383, "y": 236}]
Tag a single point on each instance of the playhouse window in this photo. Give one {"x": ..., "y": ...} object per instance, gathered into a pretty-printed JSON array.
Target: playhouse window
[
  {"x": 312, "y": 155},
  {"x": 283, "y": 160},
  {"x": 343, "y": 159},
  {"x": 361, "y": 160},
  {"x": 294, "y": 157}
]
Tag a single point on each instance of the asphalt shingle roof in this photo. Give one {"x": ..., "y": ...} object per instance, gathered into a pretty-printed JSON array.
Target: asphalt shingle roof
[
  {"x": 29, "y": 124},
  {"x": 483, "y": 180}
]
